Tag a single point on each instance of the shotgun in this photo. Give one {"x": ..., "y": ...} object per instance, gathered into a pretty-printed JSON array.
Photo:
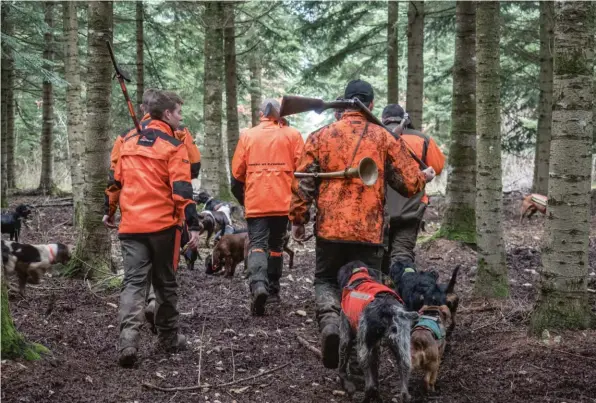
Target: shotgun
[
  {"x": 292, "y": 104},
  {"x": 122, "y": 77}
]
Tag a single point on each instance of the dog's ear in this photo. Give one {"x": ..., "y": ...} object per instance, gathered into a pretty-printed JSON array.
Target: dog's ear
[
  {"x": 434, "y": 274},
  {"x": 445, "y": 312}
]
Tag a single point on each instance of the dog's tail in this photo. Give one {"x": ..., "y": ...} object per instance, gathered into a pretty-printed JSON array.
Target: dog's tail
[
  {"x": 398, "y": 333},
  {"x": 451, "y": 285}
]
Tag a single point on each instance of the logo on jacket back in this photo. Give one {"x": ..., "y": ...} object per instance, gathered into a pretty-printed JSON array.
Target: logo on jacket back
[{"x": 146, "y": 141}]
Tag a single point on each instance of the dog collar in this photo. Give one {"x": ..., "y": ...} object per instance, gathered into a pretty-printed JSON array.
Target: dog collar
[
  {"x": 51, "y": 253},
  {"x": 358, "y": 269},
  {"x": 409, "y": 270}
]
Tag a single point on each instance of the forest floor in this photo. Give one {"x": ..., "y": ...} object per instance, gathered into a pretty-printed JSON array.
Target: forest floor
[{"x": 490, "y": 357}]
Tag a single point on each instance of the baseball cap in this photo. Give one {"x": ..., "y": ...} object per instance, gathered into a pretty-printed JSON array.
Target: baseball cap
[
  {"x": 393, "y": 112},
  {"x": 361, "y": 89}
]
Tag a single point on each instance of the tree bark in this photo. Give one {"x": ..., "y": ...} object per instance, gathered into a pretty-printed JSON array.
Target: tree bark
[
  {"x": 415, "y": 90},
  {"x": 212, "y": 98},
  {"x": 459, "y": 221},
  {"x": 233, "y": 131},
  {"x": 46, "y": 184},
  {"x": 392, "y": 53},
  {"x": 3, "y": 145},
  {"x": 93, "y": 245},
  {"x": 545, "y": 103},
  {"x": 563, "y": 301},
  {"x": 254, "y": 65},
  {"x": 74, "y": 107},
  {"x": 13, "y": 343},
  {"x": 492, "y": 279},
  {"x": 10, "y": 108},
  {"x": 140, "y": 57}
]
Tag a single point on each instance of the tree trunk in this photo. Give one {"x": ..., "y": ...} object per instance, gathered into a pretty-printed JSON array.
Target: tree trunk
[
  {"x": 254, "y": 64},
  {"x": 492, "y": 279},
  {"x": 3, "y": 145},
  {"x": 563, "y": 301},
  {"x": 46, "y": 184},
  {"x": 459, "y": 221},
  {"x": 545, "y": 103},
  {"x": 212, "y": 98},
  {"x": 9, "y": 133},
  {"x": 392, "y": 53},
  {"x": 415, "y": 90},
  {"x": 233, "y": 131},
  {"x": 74, "y": 107},
  {"x": 140, "y": 58},
  {"x": 93, "y": 243},
  {"x": 14, "y": 344}
]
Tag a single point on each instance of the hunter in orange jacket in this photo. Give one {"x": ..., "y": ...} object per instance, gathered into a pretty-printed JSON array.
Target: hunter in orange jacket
[
  {"x": 347, "y": 209},
  {"x": 263, "y": 168},
  {"x": 161, "y": 204},
  {"x": 151, "y": 185}
]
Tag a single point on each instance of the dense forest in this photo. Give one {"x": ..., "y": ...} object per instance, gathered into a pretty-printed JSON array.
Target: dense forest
[{"x": 506, "y": 89}]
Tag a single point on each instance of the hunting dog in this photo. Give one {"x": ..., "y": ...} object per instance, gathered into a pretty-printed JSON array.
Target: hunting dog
[
  {"x": 229, "y": 251},
  {"x": 210, "y": 222},
  {"x": 211, "y": 203},
  {"x": 11, "y": 221},
  {"x": 428, "y": 342},
  {"x": 531, "y": 204},
  {"x": 30, "y": 262},
  {"x": 451, "y": 298},
  {"x": 370, "y": 313},
  {"x": 416, "y": 288}
]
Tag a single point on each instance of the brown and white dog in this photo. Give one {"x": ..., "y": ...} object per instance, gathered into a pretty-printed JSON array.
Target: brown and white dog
[
  {"x": 428, "y": 342},
  {"x": 531, "y": 204},
  {"x": 30, "y": 262}
]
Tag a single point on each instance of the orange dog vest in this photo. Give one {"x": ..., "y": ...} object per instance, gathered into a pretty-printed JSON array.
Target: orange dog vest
[{"x": 361, "y": 291}]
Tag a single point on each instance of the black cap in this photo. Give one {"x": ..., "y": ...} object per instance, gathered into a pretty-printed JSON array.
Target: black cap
[
  {"x": 361, "y": 89},
  {"x": 393, "y": 112}
]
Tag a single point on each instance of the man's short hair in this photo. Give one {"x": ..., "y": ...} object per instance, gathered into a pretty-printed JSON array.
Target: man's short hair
[
  {"x": 275, "y": 107},
  {"x": 148, "y": 96},
  {"x": 360, "y": 89},
  {"x": 163, "y": 101}
]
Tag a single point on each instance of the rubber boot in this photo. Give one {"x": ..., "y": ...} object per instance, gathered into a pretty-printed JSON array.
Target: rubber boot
[
  {"x": 259, "y": 298},
  {"x": 274, "y": 271},
  {"x": 128, "y": 357},
  {"x": 330, "y": 345}
]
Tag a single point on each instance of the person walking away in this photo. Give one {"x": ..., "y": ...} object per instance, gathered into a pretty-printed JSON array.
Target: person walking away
[
  {"x": 406, "y": 214},
  {"x": 350, "y": 222},
  {"x": 151, "y": 185},
  {"x": 262, "y": 170}
]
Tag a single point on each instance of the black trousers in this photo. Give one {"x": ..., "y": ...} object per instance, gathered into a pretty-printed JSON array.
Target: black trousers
[{"x": 265, "y": 258}]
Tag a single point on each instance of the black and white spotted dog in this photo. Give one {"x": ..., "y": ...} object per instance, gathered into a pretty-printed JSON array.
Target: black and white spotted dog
[
  {"x": 12, "y": 221},
  {"x": 370, "y": 313},
  {"x": 30, "y": 262}
]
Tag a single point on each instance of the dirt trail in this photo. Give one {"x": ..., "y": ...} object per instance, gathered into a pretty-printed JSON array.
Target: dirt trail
[{"x": 490, "y": 358}]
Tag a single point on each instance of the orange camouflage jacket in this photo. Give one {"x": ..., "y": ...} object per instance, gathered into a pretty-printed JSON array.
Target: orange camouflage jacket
[{"x": 348, "y": 210}]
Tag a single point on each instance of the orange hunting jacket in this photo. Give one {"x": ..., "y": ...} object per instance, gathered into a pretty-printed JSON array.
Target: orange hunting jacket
[
  {"x": 151, "y": 182},
  {"x": 356, "y": 297},
  {"x": 182, "y": 134},
  {"x": 348, "y": 210},
  {"x": 263, "y": 167}
]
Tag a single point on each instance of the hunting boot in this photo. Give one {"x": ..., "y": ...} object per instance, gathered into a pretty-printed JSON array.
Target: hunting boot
[
  {"x": 128, "y": 357},
  {"x": 257, "y": 267},
  {"x": 172, "y": 342},
  {"x": 330, "y": 345},
  {"x": 274, "y": 270},
  {"x": 259, "y": 298}
]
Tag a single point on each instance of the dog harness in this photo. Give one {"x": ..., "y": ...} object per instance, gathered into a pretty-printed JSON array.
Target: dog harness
[
  {"x": 361, "y": 291},
  {"x": 430, "y": 323},
  {"x": 539, "y": 199}
]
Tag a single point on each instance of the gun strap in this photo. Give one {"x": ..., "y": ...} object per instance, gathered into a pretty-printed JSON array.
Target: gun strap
[{"x": 357, "y": 147}]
